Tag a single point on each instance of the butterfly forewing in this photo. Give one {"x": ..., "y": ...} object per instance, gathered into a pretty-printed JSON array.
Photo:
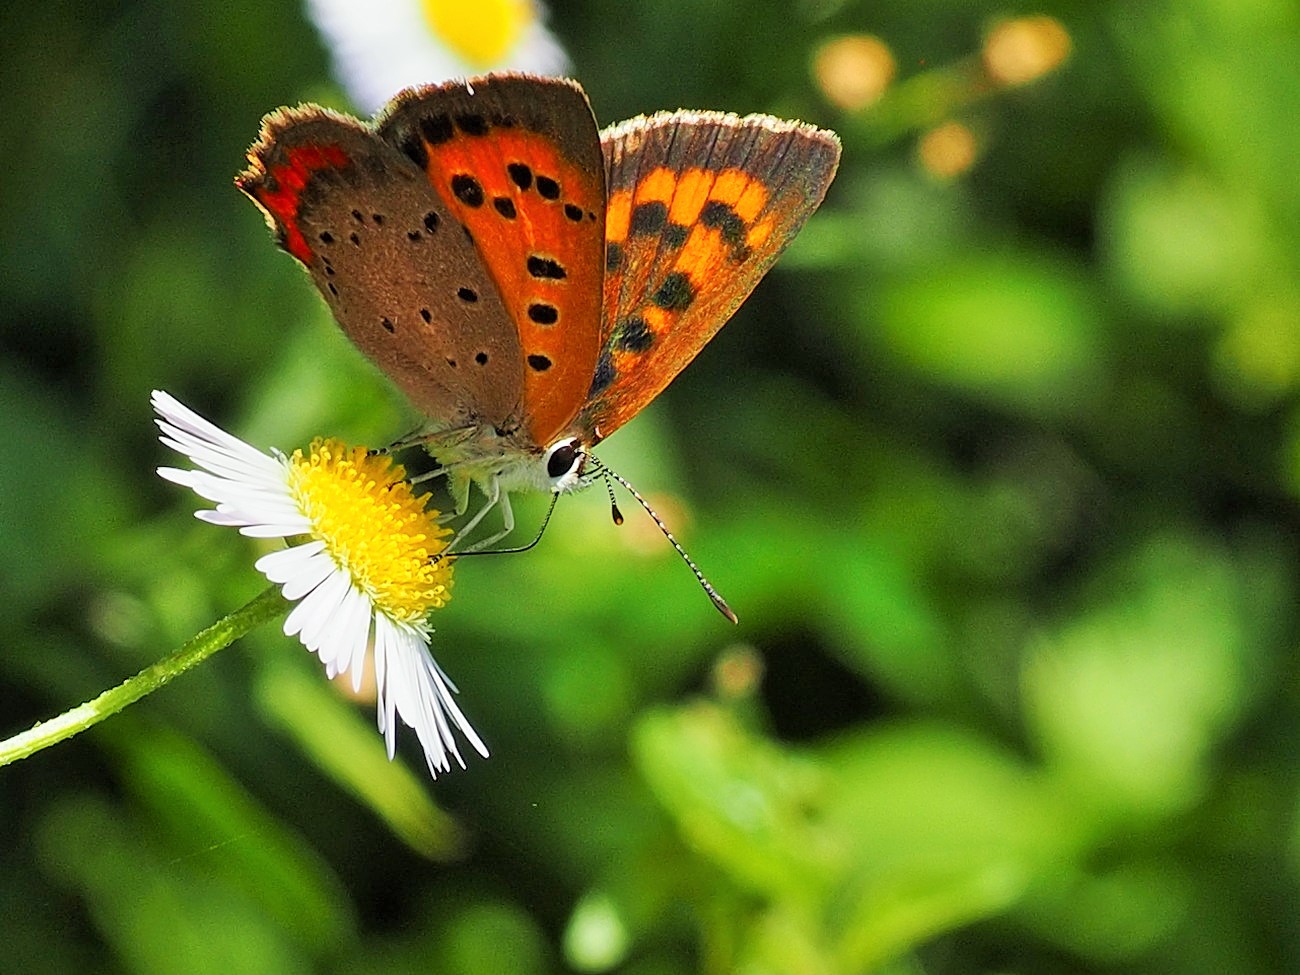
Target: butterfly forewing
[
  {"x": 401, "y": 277},
  {"x": 517, "y": 162},
  {"x": 700, "y": 205}
]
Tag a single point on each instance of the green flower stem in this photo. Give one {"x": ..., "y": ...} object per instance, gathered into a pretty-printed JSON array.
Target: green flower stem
[{"x": 266, "y": 606}]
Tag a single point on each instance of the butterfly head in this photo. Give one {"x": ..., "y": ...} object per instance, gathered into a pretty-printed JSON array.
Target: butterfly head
[{"x": 564, "y": 462}]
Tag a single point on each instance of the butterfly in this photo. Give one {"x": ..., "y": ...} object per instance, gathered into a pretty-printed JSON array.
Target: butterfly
[{"x": 528, "y": 281}]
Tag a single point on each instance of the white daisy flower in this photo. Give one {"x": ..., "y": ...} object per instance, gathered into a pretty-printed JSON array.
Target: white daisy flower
[
  {"x": 360, "y": 565},
  {"x": 382, "y": 46}
]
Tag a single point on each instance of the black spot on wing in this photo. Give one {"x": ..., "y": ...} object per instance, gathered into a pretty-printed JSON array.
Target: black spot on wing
[
  {"x": 520, "y": 175},
  {"x": 605, "y": 374},
  {"x": 676, "y": 293},
  {"x": 546, "y": 267},
  {"x": 648, "y": 219},
  {"x": 723, "y": 217},
  {"x": 543, "y": 314},
  {"x": 416, "y": 149},
  {"x": 436, "y": 129},
  {"x": 634, "y": 335},
  {"x": 547, "y": 188},
  {"x": 467, "y": 189},
  {"x": 472, "y": 124}
]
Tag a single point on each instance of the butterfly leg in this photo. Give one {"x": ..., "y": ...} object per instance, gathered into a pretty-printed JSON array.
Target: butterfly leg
[
  {"x": 496, "y": 497},
  {"x": 457, "y": 486},
  {"x": 507, "y": 525},
  {"x": 424, "y": 437}
]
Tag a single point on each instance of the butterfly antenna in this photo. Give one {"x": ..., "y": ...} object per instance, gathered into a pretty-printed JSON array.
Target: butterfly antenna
[
  {"x": 714, "y": 596},
  {"x": 613, "y": 504}
]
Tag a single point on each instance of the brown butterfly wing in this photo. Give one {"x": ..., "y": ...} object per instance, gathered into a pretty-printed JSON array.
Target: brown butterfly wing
[
  {"x": 402, "y": 279},
  {"x": 701, "y": 204},
  {"x": 517, "y": 162}
]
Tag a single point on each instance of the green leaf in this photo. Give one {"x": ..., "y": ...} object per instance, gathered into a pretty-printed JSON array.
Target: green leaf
[{"x": 1015, "y": 329}]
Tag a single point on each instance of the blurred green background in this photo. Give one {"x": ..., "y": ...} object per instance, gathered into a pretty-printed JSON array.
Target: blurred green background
[{"x": 999, "y": 469}]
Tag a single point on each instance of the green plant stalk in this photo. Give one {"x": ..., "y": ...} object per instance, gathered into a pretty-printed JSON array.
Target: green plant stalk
[{"x": 262, "y": 608}]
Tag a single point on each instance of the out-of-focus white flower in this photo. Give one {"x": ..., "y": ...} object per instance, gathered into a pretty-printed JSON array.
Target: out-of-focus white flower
[
  {"x": 382, "y": 46},
  {"x": 361, "y": 566}
]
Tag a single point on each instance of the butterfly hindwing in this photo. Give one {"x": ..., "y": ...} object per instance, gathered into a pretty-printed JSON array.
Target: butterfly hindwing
[
  {"x": 402, "y": 280},
  {"x": 517, "y": 162},
  {"x": 701, "y": 204}
]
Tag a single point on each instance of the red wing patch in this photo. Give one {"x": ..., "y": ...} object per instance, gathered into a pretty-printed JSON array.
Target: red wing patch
[{"x": 280, "y": 192}]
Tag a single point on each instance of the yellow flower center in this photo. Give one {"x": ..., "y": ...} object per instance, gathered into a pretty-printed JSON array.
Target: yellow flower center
[
  {"x": 483, "y": 32},
  {"x": 374, "y": 527}
]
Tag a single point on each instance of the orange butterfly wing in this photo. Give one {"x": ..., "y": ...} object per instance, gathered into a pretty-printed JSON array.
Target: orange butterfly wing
[
  {"x": 517, "y": 161},
  {"x": 388, "y": 259},
  {"x": 701, "y": 204}
]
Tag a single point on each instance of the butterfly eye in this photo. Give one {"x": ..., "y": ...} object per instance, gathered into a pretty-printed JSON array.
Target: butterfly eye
[{"x": 564, "y": 461}]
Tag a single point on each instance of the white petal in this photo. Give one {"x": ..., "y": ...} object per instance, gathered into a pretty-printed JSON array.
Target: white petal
[
  {"x": 300, "y": 568},
  {"x": 245, "y": 463},
  {"x": 250, "y": 488},
  {"x": 385, "y": 703},
  {"x": 415, "y": 701},
  {"x": 281, "y": 566},
  {"x": 314, "y": 571},
  {"x": 281, "y": 530},
  {"x": 313, "y": 614},
  {"x": 297, "y": 618},
  {"x": 354, "y": 631},
  {"x": 343, "y": 647},
  {"x": 186, "y": 421},
  {"x": 207, "y": 444},
  {"x": 227, "y": 518},
  {"x": 383, "y": 46},
  {"x": 261, "y": 502},
  {"x": 411, "y": 683},
  {"x": 318, "y": 633}
]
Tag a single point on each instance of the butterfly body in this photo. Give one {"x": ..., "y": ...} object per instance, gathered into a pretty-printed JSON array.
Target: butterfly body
[{"x": 529, "y": 282}]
